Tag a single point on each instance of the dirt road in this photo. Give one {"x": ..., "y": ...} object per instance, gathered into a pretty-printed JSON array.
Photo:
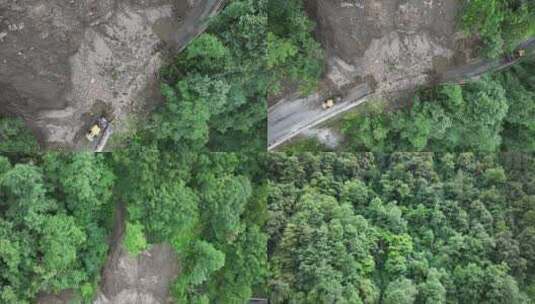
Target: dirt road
[{"x": 294, "y": 115}]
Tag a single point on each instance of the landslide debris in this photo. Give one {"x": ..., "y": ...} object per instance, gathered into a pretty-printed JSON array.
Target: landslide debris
[
  {"x": 63, "y": 63},
  {"x": 393, "y": 45}
]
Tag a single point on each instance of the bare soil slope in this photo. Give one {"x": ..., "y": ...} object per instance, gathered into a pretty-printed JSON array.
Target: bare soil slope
[
  {"x": 393, "y": 45},
  {"x": 63, "y": 63},
  {"x": 144, "y": 279}
]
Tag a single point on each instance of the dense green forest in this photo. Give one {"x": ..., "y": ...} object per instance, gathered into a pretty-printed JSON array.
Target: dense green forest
[
  {"x": 500, "y": 24},
  {"x": 292, "y": 52},
  {"x": 305, "y": 228},
  {"x": 54, "y": 222},
  {"x": 56, "y": 214},
  {"x": 15, "y": 136},
  {"x": 210, "y": 207},
  {"x": 401, "y": 228},
  {"x": 493, "y": 113},
  {"x": 216, "y": 90}
]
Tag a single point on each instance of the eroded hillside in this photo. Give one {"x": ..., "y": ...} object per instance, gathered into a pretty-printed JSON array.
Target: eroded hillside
[
  {"x": 65, "y": 63},
  {"x": 393, "y": 45}
]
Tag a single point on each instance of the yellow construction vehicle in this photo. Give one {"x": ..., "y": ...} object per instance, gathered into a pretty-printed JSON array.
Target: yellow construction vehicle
[
  {"x": 517, "y": 54},
  {"x": 327, "y": 104},
  {"x": 96, "y": 130},
  {"x": 331, "y": 102},
  {"x": 93, "y": 133}
]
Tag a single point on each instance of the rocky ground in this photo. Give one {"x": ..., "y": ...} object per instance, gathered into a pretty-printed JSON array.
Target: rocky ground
[
  {"x": 139, "y": 280},
  {"x": 392, "y": 45},
  {"x": 65, "y": 62}
]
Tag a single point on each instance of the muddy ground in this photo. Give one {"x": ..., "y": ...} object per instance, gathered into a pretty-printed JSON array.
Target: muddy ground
[
  {"x": 126, "y": 279},
  {"x": 393, "y": 45},
  {"x": 144, "y": 279},
  {"x": 65, "y": 62}
]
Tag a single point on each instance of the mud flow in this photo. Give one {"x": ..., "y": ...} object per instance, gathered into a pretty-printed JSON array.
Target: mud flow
[
  {"x": 144, "y": 279},
  {"x": 61, "y": 61},
  {"x": 392, "y": 45}
]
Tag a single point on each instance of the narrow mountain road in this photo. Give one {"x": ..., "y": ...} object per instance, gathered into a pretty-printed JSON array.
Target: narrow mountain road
[
  {"x": 196, "y": 23},
  {"x": 294, "y": 114},
  {"x": 478, "y": 68}
]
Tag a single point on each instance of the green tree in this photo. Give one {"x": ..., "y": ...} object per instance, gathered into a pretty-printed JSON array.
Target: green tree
[
  {"x": 134, "y": 239},
  {"x": 400, "y": 291},
  {"x": 15, "y": 137}
]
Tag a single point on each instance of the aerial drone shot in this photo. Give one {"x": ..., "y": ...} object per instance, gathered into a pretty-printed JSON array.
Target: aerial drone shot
[
  {"x": 267, "y": 151},
  {"x": 423, "y": 75}
]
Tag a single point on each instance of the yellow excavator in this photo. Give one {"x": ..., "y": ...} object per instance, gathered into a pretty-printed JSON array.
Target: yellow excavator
[
  {"x": 327, "y": 104},
  {"x": 96, "y": 130}
]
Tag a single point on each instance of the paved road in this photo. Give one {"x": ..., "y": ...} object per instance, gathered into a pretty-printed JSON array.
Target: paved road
[
  {"x": 293, "y": 115},
  {"x": 476, "y": 69}
]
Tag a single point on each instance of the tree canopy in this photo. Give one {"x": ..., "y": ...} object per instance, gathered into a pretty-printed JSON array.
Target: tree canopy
[
  {"x": 401, "y": 228},
  {"x": 54, "y": 212},
  {"x": 494, "y": 113}
]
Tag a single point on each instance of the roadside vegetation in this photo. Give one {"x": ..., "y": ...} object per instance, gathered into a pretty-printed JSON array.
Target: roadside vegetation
[
  {"x": 210, "y": 207},
  {"x": 495, "y": 113},
  {"x": 500, "y": 24},
  {"x": 304, "y": 144},
  {"x": 402, "y": 228},
  {"x": 16, "y": 137},
  {"x": 216, "y": 90},
  {"x": 292, "y": 52}
]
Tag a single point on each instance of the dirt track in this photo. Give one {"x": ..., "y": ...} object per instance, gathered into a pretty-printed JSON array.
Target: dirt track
[{"x": 63, "y": 63}]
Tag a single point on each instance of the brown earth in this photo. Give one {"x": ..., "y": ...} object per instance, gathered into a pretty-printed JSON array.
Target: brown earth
[
  {"x": 393, "y": 45},
  {"x": 126, "y": 279},
  {"x": 144, "y": 279},
  {"x": 65, "y": 62}
]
